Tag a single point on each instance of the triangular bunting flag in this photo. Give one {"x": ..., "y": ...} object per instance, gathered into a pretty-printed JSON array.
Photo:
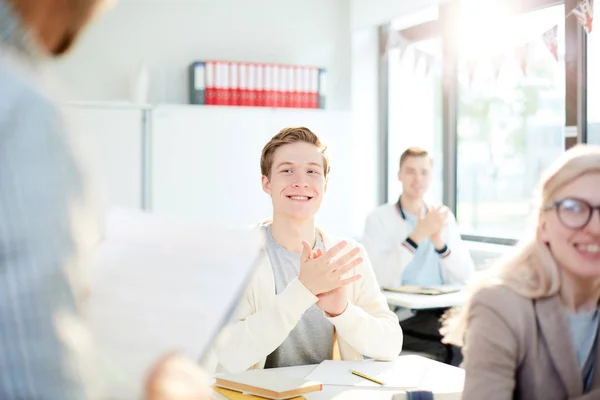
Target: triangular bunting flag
[
  {"x": 550, "y": 38},
  {"x": 418, "y": 56},
  {"x": 429, "y": 60},
  {"x": 585, "y": 14},
  {"x": 522, "y": 53},
  {"x": 402, "y": 46},
  {"x": 471, "y": 66},
  {"x": 497, "y": 61}
]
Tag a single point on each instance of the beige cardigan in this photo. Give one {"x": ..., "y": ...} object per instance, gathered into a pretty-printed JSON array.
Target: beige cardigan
[
  {"x": 519, "y": 348},
  {"x": 265, "y": 319}
]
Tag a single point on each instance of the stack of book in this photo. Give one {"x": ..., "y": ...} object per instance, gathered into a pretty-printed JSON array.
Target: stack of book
[{"x": 260, "y": 384}]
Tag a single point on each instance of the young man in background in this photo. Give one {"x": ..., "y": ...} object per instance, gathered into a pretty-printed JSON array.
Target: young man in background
[{"x": 412, "y": 243}]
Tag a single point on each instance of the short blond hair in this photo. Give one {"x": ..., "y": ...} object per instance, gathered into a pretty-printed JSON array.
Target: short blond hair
[
  {"x": 413, "y": 152},
  {"x": 288, "y": 136}
]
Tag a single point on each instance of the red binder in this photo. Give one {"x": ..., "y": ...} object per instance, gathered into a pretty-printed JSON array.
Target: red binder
[
  {"x": 284, "y": 87},
  {"x": 306, "y": 87},
  {"x": 243, "y": 84},
  {"x": 269, "y": 98},
  {"x": 298, "y": 85},
  {"x": 260, "y": 85},
  {"x": 251, "y": 84},
  {"x": 279, "y": 86},
  {"x": 219, "y": 88},
  {"x": 210, "y": 83},
  {"x": 226, "y": 84},
  {"x": 234, "y": 88},
  {"x": 291, "y": 86}
]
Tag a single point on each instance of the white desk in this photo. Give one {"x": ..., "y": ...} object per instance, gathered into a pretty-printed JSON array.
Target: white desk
[
  {"x": 424, "y": 301},
  {"x": 444, "y": 380}
]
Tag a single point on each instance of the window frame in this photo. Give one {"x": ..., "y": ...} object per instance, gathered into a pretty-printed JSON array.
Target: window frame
[{"x": 575, "y": 91}]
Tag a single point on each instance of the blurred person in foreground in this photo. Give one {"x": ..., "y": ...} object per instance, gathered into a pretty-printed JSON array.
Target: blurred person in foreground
[
  {"x": 47, "y": 218},
  {"x": 530, "y": 329}
]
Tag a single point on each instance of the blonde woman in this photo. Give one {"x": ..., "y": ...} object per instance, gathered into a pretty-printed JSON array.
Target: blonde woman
[{"x": 531, "y": 331}]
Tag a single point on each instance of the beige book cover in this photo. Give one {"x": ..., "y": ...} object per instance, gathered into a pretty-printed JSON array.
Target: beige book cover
[{"x": 271, "y": 384}]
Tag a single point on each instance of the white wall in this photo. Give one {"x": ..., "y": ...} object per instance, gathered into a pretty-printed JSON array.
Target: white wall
[
  {"x": 170, "y": 34},
  {"x": 365, "y": 114},
  {"x": 367, "y": 13},
  {"x": 111, "y": 141},
  {"x": 192, "y": 176}
]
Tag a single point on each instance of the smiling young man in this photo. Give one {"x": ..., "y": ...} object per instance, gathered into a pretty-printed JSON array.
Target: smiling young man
[
  {"x": 313, "y": 297},
  {"x": 412, "y": 243}
]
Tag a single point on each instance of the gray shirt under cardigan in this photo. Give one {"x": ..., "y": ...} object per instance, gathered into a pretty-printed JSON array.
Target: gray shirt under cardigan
[{"x": 311, "y": 340}]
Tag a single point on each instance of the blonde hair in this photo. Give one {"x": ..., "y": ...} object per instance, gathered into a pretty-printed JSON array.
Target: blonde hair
[
  {"x": 288, "y": 136},
  {"x": 413, "y": 152},
  {"x": 531, "y": 269}
]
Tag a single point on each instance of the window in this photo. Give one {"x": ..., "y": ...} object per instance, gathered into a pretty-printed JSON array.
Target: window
[
  {"x": 510, "y": 123},
  {"x": 415, "y": 110},
  {"x": 593, "y": 84}
]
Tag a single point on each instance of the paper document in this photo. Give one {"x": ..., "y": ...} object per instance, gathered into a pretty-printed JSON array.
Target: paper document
[
  {"x": 338, "y": 373},
  {"x": 405, "y": 372},
  {"x": 160, "y": 285}
]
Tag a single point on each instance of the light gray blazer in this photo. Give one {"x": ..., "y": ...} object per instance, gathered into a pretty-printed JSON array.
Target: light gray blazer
[{"x": 519, "y": 348}]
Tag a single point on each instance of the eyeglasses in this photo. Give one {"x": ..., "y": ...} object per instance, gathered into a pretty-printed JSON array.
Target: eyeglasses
[{"x": 573, "y": 213}]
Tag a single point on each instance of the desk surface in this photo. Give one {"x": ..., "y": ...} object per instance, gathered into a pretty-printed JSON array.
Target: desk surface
[
  {"x": 444, "y": 380},
  {"x": 424, "y": 301}
]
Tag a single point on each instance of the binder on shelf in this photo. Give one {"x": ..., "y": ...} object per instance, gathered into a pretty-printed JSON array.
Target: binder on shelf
[
  {"x": 211, "y": 90},
  {"x": 301, "y": 87},
  {"x": 197, "y": 82},
  {"x": 218, "y": 84},
  {"x": 243, "y": 84},
  {"x": 283, "y": 89},
  {"x": 299, "y": 71},
  {"x": 252, "y": 85},
  {"x": 269, "y": 98},
  {"x": 322, "y": 89},
  {"x": 314, "y": 88},
  {"x": 234, "y": 99},
  {"x": 291, "y": 82},
  {"x": 277, "y": 86},
  {"x": 229, "y": 83},
  {"x": 260, "y": 85},
  {"x": 224, "y": 84}
]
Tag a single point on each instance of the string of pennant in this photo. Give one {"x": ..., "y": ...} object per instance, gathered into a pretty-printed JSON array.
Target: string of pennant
[{"x": 584, "y": 12}]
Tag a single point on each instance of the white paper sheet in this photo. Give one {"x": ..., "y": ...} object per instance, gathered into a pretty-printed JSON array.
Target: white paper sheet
[
  {"x": 406, "y": 372},
  {"x": 160, "y": 285},
  {"x": 339, "y": 373}
]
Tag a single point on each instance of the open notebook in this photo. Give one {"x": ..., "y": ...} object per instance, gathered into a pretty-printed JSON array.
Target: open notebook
[
  {"x": 428, "y": 290},
  {"x": 159, "y": 285},
  {"x": 271, "y": 384}
]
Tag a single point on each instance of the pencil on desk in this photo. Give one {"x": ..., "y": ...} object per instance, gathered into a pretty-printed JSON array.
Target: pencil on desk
[{"x": 366, "y": 377}]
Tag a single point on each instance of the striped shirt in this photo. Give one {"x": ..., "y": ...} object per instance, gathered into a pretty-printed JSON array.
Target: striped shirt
[{"x": 45, "y": 226}]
